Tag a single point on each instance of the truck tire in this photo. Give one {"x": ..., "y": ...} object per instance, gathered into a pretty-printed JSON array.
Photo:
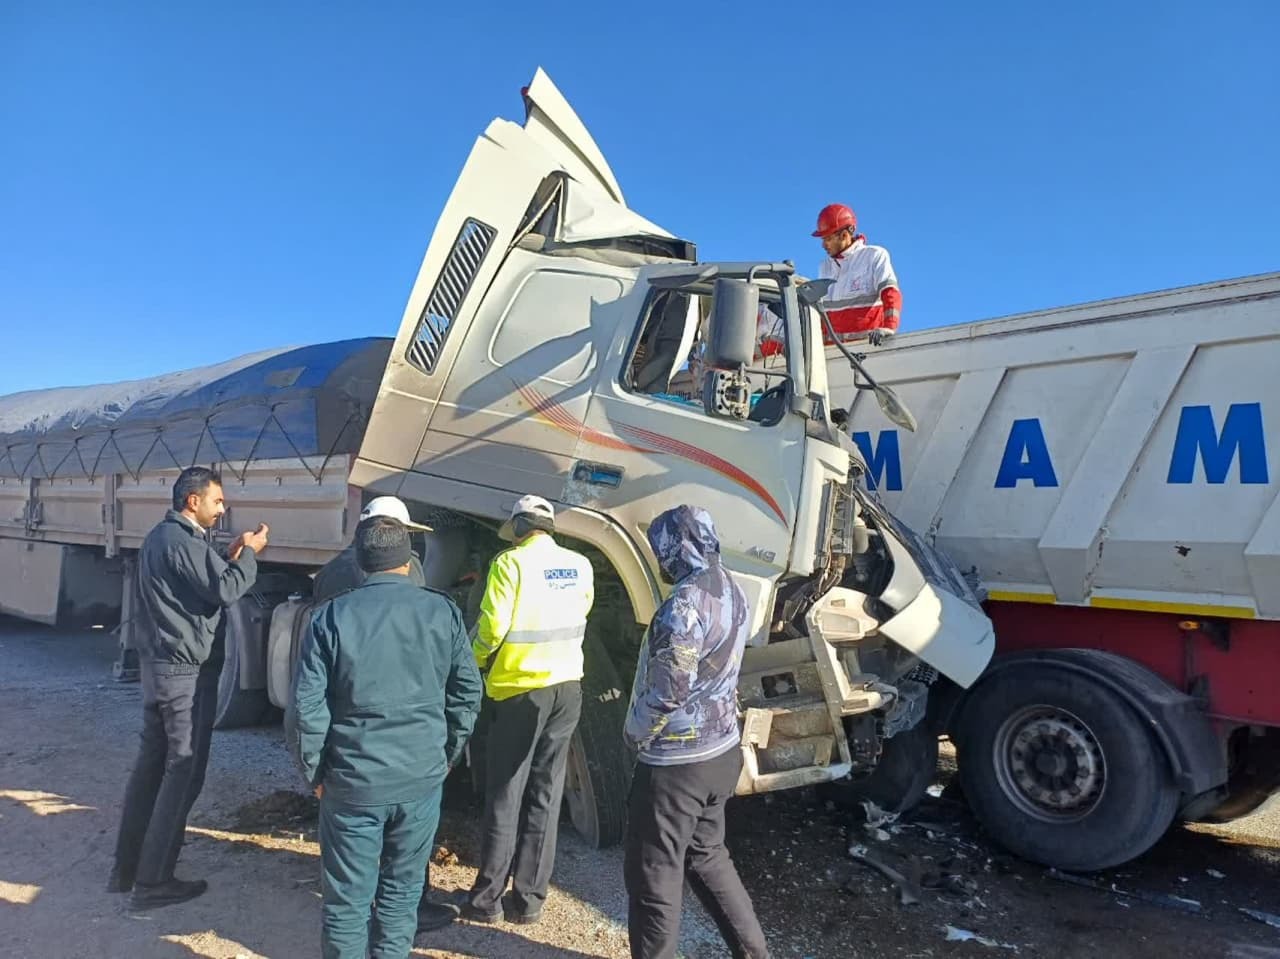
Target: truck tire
[
  {"x": 907, "y": 766},
  {"x": 1061, "y": 771},
  {"x": 248, "y": 623},
  {"x": 599, "y": 772}
]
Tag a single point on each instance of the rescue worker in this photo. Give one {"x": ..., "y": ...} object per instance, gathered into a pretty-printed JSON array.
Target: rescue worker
[
  {"x": 385, "y": 697},
  {"x": 185, "y": 586},
  {"x": 343, "y": 572},
  {"x": 865, "y": 298},
  {"x": 682, "y": 724},
  {"x": 533, "y": 618}
]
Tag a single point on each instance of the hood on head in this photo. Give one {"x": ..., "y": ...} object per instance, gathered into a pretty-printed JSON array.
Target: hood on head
[{"x": 684, "y": 541}]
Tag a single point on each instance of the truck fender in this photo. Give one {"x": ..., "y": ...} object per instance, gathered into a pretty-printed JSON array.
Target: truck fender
[{"x": 1196, "y": 755}]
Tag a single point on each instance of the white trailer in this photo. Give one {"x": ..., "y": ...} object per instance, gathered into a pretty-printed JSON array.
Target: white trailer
[{"x": 1109, "y": 471}]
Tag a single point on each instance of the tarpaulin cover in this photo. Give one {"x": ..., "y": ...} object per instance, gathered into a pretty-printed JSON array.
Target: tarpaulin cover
[{"x": 291, "y": 402}]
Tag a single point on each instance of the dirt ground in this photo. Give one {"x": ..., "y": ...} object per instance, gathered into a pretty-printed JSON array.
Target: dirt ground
[{"x": 68, "y": 737}]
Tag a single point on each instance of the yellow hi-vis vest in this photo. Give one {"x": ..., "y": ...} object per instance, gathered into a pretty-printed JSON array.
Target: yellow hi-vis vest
[{"x": 533, "y": 617}]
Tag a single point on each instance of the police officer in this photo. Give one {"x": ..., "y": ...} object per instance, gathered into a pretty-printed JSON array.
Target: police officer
[
  {"x": 185, "y": 586},
  {"x": 532, "y": 622},
  {"x": 385, "y": 696}
]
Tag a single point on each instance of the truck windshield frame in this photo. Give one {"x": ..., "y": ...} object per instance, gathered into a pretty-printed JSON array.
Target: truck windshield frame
[{"x": 670, "y": 304}]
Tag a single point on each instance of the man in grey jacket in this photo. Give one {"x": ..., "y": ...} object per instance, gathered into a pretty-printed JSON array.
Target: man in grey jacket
[
  {"x": 683, "y": 726},
  {"x": 186, "y": 586}
]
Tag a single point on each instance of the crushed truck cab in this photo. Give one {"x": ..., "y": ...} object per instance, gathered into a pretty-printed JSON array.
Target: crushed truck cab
[{"x": 557, "y": 343}]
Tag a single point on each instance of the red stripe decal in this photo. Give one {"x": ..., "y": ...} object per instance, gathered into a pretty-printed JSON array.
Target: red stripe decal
[
  {"x": 710, "y": 460},
  {"x": 555, "y": 415}
]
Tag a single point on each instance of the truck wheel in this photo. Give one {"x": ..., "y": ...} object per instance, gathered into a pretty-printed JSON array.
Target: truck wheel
[
  {"x": 1061, "y": 771},
  {"x": 248, "y": 625},
  {"x": 907, "y": 766},
  {"x": 599, "y": 772}
]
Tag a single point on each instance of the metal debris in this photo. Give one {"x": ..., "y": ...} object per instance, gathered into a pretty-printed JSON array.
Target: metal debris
[
  {"x": 908, "y": 892},
  {"x": 964, "y": 935},
  {"x": 1152, "y": 898},
  {"x": 877, "y": 816},
  {"x": 1215, "y": 874},
  {"x": 1269, "y": 918}
]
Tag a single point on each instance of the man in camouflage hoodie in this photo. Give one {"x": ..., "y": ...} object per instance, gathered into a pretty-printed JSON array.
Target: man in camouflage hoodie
[{"x": 683, "y": 726}]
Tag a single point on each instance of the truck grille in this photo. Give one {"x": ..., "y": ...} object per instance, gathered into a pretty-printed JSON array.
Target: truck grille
[{"x": 460, "y": 269}]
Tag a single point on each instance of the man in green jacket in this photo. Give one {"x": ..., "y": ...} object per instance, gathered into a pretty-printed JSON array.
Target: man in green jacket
[
  {"x": 185, "y": 585},
  {"x": 385, "y": 697}
]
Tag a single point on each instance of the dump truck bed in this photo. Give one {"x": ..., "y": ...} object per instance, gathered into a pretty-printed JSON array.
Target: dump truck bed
[{"x": 1117, "y": 454}]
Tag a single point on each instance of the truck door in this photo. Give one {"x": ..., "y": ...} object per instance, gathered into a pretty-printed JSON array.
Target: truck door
[{"x": 648, "y": 445}]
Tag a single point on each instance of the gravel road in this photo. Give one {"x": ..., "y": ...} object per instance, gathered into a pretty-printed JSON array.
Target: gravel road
[{"x": 69, "y": 734}]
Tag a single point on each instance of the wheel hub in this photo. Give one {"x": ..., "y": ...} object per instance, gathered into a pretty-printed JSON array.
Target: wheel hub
[{"x": 1050, "y": 763}]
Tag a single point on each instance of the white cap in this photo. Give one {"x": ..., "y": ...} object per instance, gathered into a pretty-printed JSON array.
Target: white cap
[
  {"x": 392, "y": 506},
  {"x": 531, "y": 505}
]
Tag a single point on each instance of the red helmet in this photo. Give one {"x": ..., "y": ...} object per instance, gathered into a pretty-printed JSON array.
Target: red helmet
[{"x": 834, "y": 218}]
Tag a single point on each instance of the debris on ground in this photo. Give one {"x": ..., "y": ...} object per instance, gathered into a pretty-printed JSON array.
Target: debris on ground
[
  {"x": 908, "y": 891},
  {"x": 277, "y": 810},
  {"x": 964, "y": 935},
  {"x": 1152, "y": 898},
  {"x": 1215, "y": 874},
  {"x": 444, "y": 856},
  {"x": 1269, "y": 918},
  {"x": 877, "y": 816}
]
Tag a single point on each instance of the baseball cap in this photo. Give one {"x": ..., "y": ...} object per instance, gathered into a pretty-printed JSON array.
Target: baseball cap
[
  {"x": 392, "y": 506},
  {"x": 533, "y": 506}
]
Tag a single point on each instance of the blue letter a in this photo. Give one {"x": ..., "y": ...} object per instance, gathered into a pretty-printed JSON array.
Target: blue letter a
[{"x": 1026, "y": 457}]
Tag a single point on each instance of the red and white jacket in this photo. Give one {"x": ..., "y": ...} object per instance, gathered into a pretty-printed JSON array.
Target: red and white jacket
[
  {"x": 864, "y": 297},
  {"x": 865, "y": 294}
]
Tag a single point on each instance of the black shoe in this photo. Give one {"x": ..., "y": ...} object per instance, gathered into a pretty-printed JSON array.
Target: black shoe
[
  {"x": 435, "y": 915},
  {"x": 472, "y": 914},
  {"x": 119, "y": 881},
  {"x": 166, "y": 893},
  {"x": 512, "y": 912}
]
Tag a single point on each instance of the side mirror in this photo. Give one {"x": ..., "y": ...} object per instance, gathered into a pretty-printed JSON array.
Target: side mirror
[
  {"x": 731, "y": 331},
  {"x": 811, "y": 292},
  {"x": 894, "y": 408}
]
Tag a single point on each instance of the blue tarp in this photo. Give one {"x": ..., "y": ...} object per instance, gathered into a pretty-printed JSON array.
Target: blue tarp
[{"x": 291, "y": 402}]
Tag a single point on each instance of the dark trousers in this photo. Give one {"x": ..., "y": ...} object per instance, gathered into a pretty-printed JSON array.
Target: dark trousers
[
  {"x": 526, "y": 751},
  {"x": 373, "y": 855},
  {"x": 675, "y": 831},
  {"x": 178, "y": 705}
]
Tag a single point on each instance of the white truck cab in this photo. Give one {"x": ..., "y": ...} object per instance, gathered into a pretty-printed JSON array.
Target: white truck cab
[{"x": 557, "y": 343}]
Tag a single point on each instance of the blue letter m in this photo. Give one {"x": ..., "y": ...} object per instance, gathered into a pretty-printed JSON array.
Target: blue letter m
[
  {"x": 884, "y": 460},
  {"x": 1197, "y": 435}
]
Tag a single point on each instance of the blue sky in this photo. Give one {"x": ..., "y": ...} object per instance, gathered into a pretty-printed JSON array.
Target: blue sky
[{"x": 182, "y": 183}]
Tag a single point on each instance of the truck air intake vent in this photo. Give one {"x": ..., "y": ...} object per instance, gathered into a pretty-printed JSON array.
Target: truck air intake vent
[{"x": 460, "y": 269}]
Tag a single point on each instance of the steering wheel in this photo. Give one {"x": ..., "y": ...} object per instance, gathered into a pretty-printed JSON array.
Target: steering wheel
[{"x": 771, "y": 406}]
